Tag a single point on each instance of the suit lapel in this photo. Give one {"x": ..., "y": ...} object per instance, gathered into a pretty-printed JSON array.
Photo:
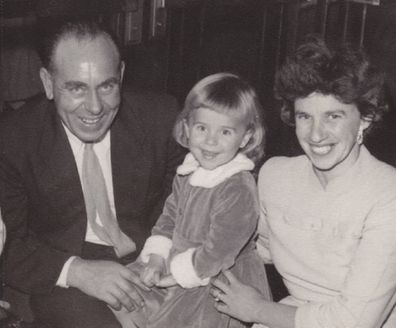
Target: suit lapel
[
  {"x": 130, "y": 156},
  {"x": 57, "y": 170}
]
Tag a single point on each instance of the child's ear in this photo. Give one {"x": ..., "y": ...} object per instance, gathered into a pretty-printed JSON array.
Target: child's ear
[
  {"x": 248, "y": 135},
  {"x": 186, "y": 129}
]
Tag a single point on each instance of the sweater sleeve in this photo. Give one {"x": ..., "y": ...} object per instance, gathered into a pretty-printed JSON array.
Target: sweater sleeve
[{"x": 267, "y": 177}]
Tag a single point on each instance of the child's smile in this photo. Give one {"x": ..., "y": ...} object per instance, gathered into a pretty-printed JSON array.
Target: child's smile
[{"x": 215, "y": 138}]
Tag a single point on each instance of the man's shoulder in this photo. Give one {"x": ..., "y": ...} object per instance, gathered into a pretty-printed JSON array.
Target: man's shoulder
[
  {"x": 147, "y": 102},
  {"x": 30, "y": 116}
]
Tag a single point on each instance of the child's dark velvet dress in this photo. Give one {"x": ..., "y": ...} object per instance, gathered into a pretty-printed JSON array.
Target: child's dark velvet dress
[{"x": 207, "y": 226}]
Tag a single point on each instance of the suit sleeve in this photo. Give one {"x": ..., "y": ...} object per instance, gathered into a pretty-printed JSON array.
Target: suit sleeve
[{"x": 24, "y": 253}]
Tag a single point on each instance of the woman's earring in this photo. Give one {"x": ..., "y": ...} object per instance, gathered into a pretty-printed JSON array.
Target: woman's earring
[{"x": 359, "y": 137}]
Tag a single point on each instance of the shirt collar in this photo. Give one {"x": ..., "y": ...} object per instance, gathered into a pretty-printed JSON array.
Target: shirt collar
[
  {"x": 77, "y": 145},
  {"x": 200, "y": 177}
]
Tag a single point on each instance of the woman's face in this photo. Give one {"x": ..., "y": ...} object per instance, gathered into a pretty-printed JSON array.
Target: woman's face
[{"x": 327, "y": 130}]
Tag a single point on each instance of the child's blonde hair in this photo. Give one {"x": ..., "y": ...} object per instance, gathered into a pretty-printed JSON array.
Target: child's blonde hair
[{"x": 226, "y": 93}]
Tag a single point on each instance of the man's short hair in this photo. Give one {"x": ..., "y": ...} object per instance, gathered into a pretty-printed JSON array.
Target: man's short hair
[{"x": 81, "y": 29}]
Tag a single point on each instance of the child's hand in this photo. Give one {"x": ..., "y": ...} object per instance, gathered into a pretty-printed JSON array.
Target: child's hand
[
  {"x": 167, "y": 281},
  {"x": 153, "y": 271}
]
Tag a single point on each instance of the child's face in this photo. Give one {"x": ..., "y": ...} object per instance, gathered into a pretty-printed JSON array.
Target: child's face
[{"x": 215, "y": 138}]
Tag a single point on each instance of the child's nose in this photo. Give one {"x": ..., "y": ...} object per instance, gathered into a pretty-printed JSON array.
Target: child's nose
[{"x": 211, "y": 138}]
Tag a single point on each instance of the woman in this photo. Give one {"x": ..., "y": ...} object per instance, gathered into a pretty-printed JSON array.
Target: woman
[{"x": 328, "y": 218}]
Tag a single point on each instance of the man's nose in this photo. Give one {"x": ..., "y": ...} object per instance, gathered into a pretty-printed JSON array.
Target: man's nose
[{"x": 94, "y": 104}]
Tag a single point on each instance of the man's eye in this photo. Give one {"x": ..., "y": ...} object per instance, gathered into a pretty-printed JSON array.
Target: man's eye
[
  {"x": 76, "y": 91},
  {"x": 107, "y": 88}
]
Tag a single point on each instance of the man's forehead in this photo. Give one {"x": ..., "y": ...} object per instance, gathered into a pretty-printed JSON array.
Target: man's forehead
[{"x": 85, "y": 48}]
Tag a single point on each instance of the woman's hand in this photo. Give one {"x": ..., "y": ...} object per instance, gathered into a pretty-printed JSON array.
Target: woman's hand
[
  {"x": 236, "y": 299},
  {"x": 153, "y": 271}
]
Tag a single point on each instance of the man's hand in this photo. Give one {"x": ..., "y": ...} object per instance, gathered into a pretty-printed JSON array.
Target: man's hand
[
  {"x": 236, "y": 299},
  {"x": 108, "y": 281}
]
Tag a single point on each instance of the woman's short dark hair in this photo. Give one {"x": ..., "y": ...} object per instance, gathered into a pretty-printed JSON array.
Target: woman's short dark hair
[{"x": 345, "y": 73}]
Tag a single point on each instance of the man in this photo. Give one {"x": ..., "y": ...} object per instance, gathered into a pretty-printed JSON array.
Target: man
[{"x": 62, "y": 249}]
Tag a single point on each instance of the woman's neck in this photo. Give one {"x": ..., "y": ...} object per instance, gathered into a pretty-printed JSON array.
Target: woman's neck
[{"x": 327, "y": 176}]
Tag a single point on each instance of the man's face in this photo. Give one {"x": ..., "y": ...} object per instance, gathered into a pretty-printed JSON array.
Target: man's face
[{"x": 85, "y": 85}]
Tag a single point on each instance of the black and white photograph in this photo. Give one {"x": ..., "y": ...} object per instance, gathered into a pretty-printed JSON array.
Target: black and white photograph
[{"x": 198, "y": 163}]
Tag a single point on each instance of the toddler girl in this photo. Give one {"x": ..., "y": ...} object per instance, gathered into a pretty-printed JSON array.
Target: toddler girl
[{"x": 209, "y": 221}]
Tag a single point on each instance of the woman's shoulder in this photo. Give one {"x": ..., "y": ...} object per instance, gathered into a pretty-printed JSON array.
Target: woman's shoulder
[
  {"x": 278, "y": 175},
  {"x": 282, "y": 166},
  {"x": 379, "y": 172}
]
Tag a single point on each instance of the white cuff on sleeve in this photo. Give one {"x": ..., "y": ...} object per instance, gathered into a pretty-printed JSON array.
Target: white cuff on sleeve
[
  {"x": 62, "y": 280},
  {"x": 157, "y": 244},
  {"x": 183, "y": 270}
]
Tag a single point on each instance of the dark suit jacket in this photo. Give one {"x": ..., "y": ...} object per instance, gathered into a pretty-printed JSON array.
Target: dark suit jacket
[{"x": 41, "y": 197}]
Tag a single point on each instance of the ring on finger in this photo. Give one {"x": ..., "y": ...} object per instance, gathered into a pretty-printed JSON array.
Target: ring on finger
[{"x": 217, "y": 297}]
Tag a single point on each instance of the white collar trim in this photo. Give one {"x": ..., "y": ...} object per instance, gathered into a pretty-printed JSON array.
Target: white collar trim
[{"x": 201, "y": 177}]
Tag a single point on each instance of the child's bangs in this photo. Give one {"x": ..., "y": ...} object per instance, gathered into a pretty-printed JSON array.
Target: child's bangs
[{"x": 233, "y": 107}]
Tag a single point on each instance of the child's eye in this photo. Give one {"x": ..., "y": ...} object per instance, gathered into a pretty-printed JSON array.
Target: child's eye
[
  {"x": 227, "y": 132},
  {"x": 200, "y": 128}
]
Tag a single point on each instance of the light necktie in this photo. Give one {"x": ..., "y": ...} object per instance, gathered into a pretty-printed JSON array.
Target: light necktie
[{"x": 97, "y": 201}]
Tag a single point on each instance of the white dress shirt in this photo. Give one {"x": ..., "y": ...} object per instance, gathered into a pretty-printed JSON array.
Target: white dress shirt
[{"x": 102, "y": 151}]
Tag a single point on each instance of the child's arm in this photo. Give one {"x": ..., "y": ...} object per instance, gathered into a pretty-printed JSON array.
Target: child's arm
[
  {"x": 234, "y": 219},
  {"x": 157, "y": 247}
]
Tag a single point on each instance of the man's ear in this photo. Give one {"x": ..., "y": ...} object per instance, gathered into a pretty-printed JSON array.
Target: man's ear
[
  {"x": 46, "y": 79},
  {"x": 122, "y": 69}
]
